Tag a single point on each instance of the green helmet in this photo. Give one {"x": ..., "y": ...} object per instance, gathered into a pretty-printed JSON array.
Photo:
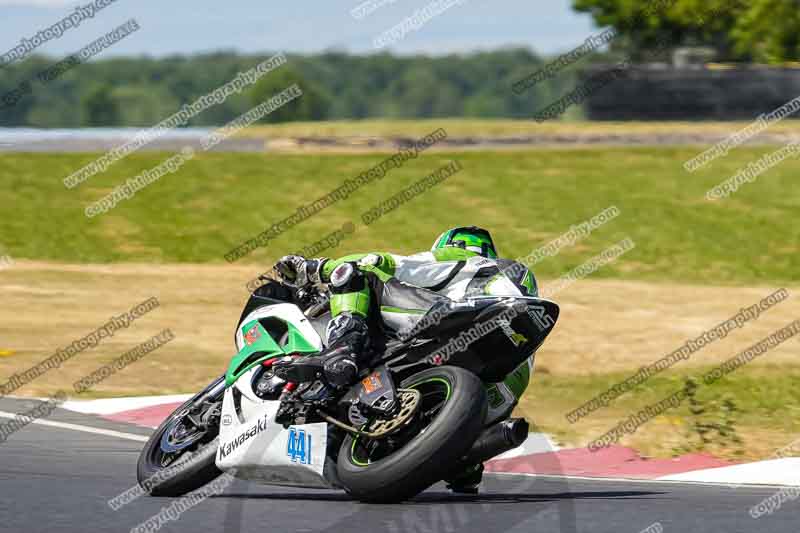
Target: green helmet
[{"x": 470, "y": 238}]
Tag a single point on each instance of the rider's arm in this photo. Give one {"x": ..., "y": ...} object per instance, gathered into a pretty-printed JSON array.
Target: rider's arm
[{"x": 383, "y": 261}]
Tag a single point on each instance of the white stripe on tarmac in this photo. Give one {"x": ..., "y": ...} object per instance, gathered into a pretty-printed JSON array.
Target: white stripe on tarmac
[
  {"x": 78, "y": 427},
  {"x": 654, "y": 481},
  {"x": 779, "y": 472},
  {"x": 110, "y": 406}
]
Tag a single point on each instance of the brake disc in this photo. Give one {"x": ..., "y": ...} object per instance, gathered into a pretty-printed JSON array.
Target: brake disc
[{"x": 409, "y": 401}]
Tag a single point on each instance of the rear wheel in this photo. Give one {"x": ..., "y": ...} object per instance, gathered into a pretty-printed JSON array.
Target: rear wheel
[
  {"x": 180, "y": 455},
  {"x": 397, "y": 467}
]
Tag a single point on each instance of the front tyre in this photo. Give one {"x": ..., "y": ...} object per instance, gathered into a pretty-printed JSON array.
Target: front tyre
[
  {"x": 402, "y": 465},
  {"x": 180, "y": 455}
]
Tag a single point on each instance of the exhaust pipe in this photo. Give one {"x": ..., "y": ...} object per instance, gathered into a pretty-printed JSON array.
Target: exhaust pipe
[{"x": 498, "y": 439}]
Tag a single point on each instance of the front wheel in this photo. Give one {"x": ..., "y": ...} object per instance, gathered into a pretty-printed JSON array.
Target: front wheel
[
  {"x": 180, "y": 455},
  {"x": 398, "y": 467}
]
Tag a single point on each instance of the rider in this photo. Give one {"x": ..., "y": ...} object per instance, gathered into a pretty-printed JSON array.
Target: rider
[{"x": 377, "y": 291}]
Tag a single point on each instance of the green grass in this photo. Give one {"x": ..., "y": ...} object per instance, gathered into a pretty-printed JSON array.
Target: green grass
[
  {"x": 525, "y": 197},
  {"x": 766, "y": 396}
]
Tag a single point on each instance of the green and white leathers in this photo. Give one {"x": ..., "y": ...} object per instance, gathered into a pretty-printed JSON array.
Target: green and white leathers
[{"x": 454, "y": 271}]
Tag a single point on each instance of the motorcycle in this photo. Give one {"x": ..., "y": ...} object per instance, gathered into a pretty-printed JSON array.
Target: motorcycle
[{"x": 417, "y": 415}]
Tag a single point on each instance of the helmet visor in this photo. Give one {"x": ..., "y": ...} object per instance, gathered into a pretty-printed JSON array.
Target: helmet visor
[{"x": 475, "y": 241}]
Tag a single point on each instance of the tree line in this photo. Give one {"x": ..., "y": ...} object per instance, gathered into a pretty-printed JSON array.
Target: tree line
[
  {"x": 143, "y": 91},
  {"x": 745, "y": 31}
]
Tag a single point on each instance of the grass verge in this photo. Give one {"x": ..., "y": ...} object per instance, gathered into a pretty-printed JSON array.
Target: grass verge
[
  {"x": 766, "y": 400},
  {"x": 497, "y": 128},
  {"x": 217, "y": 201}
]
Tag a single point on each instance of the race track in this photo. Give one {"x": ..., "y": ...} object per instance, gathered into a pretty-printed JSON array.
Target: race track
[{"x": 58, "y": 478}]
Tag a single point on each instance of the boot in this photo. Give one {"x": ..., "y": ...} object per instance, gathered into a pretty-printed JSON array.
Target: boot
[
  {"x": 339, "y": 363},
  {"x": 466, "y": 482},
  {"x": 348, "y": 337}
]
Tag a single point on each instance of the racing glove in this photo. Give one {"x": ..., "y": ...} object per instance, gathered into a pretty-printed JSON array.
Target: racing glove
[{"x": 300, "y": 272}]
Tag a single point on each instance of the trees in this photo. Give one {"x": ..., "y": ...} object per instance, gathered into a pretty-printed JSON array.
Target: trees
[
  {"x": 100, "y": 107},
  {"x": 142, "y": 91},
  {"x": 766, "y": 31},
  {"x": 771, "y": 29},
  {"x": 143, "y": 106},
  {"x": 312, "y": 105}
]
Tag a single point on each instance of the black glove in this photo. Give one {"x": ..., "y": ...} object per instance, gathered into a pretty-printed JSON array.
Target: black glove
[{"x": 297, "y": 271}]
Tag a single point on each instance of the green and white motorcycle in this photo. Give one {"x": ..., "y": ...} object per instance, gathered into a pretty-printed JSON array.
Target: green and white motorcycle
[{"x": 413, "y": 419}]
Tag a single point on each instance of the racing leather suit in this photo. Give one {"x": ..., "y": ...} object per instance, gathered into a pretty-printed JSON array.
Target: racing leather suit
[{"x": 401, "y": 289}]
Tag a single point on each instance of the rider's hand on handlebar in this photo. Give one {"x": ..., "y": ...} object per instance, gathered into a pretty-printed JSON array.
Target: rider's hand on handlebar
[
  {"x": 292, "y": 269},
  {"x": 300, "y": 272}
]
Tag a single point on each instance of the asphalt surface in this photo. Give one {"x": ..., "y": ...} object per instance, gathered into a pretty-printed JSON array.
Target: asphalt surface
[
  {"x": 77, "y": 143},
  {"x": 57, "y": 480}
]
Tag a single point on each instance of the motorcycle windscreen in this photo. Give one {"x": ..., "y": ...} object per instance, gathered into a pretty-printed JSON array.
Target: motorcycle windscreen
[{"x": 261, "y": 450}]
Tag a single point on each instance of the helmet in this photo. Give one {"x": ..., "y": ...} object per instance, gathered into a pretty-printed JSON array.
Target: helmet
[{"x": 470, "y": 238}]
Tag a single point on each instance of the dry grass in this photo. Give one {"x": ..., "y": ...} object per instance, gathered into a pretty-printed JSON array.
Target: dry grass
[
  {"x": 613, "y": 326},
  {"x": 465, "y": 135},
  {"x": 605, "y": 326},
  {"x": 48, "y": 306},
  {"x": 498, "y": 128}
]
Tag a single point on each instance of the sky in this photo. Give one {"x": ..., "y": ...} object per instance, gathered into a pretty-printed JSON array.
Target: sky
[{"x": 260, "y": 26}]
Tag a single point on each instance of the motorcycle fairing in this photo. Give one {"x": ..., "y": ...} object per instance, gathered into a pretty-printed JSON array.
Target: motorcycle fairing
[
  {"x": 251, "y": 444},
  {"x": 290, "y": 314},
  {"x": 269, "y": 332},
  {"x": 260, "y": 450}
]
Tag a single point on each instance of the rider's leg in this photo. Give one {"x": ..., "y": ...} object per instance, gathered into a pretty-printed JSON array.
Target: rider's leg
[
  {"x": 503, "y": 397},
  {"x": 348, "y": 332},
  {"x": 366, "y": 304},
  {"x": 468, "y": 481}
]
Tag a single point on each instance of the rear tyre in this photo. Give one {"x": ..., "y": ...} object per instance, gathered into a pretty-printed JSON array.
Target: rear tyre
[
  {"x": 174, "y": 472},
  {"x": 447, "y": 424}
]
